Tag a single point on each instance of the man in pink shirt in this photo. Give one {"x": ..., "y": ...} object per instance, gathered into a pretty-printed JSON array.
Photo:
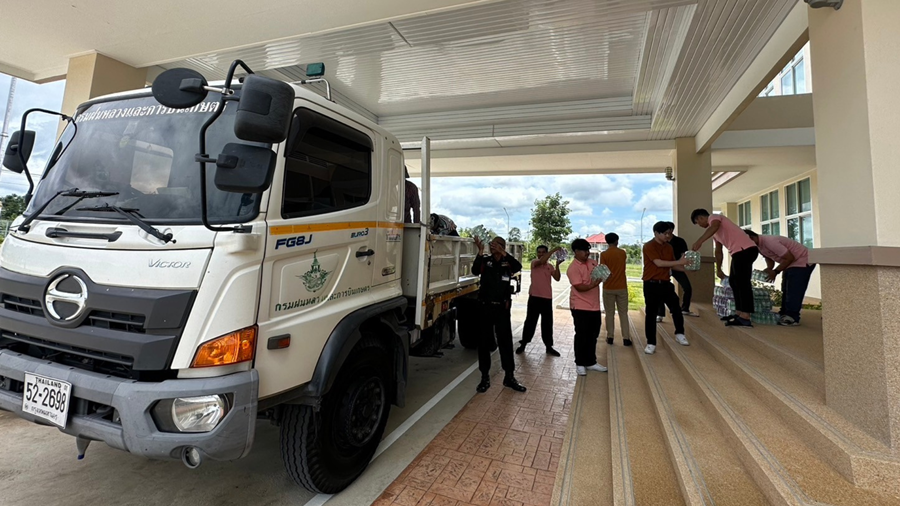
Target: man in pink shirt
[
  {"x": 793, "y": 265},
  {"x": 743, "y": 253},
  {"x": 584, "y": 301},
  {"x": 540, "y": 300}
]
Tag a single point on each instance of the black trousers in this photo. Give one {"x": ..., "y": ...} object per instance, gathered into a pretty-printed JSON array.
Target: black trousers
[
  {"x": 685, "y": 283},
  {"x": 543, "y": 308},
  {"x": 495, "y": 320},
  {"x": 655, "y": 295},
  {"x": 740, "y": 279},
  {"x": 587, "y": 330}
]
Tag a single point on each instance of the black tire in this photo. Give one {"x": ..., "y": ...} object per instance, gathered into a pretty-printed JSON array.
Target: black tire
[
  {"x": 325, "y": 452},
  {"x": 430, "y": 342}
]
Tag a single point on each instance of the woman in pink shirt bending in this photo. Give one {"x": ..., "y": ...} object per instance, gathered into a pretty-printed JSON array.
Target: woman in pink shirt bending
[
  {"x": 743, "y": 253},
  {"x": 793, "y": 265}
]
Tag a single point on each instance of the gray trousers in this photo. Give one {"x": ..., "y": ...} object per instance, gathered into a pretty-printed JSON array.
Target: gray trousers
[{"x": 614, "y": 300}]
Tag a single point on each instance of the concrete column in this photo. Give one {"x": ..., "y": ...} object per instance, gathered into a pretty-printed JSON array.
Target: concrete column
[
  {"x": 693, "y": 190},
  {"x": 857, "y": 118},
  {"x": 93, "y": 75}
]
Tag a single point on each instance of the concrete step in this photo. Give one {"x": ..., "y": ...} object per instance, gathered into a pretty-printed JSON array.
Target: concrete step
[
  {"x": 708, "y": 469},
  {"x": 642, "y": 469},
  {"x": 798, "y": 350},
  {"x": 855, "y": 456},
  {"x": 584, "y": 476}
]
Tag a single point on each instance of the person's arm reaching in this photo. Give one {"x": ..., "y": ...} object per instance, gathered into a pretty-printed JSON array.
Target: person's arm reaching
[
  {"x": 555, "y": 272},
  {"x": 710, "y": 231},
  {"x": 786, "y": 261},
  {"x": 545, "y": 257},
  {"x": 514, "y": 265}
]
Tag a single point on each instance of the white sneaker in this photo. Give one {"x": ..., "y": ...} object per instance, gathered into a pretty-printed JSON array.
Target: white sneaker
[
  {"x": 650, "y": 349},
  {"x": 597, "y": 367},
  {"x": 659, "y": 319},
  {"x": 681, "y": 340},
  {"x": 581, "y": 370}
]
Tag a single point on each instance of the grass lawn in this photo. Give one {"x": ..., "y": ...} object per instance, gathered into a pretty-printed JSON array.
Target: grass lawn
[
  {"x": 635, "y": 296},
  {"x": 634, "y": 270}
]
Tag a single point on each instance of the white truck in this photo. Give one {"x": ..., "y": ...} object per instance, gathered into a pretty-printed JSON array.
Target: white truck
[{"x": 162, "y": 298}]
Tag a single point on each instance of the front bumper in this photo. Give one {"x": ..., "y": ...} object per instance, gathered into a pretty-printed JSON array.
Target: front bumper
[{"x": 136, "y": 432}]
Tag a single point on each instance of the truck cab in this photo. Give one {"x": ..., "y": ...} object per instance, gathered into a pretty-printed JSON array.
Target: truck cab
[{"x": 160, "y": 297}]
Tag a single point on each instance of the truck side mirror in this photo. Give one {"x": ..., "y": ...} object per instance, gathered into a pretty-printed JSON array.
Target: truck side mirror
[
  {"x": 180, "y": 88},
  {"x": 19, "y": 149},
  {"x": 242, "y": 168},
  {"x": 264, "y": 110}
]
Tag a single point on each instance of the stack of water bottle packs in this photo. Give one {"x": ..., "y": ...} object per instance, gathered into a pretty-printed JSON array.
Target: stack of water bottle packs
[{"x": 723, "y": 301}]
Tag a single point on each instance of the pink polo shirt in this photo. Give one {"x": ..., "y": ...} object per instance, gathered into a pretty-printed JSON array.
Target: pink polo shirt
[
  {"x": 580, "y": 274},
  {"x": 730, "y": 235},
  {"x": 540, "y": 280},
  {"x": 776, "y": 247}
]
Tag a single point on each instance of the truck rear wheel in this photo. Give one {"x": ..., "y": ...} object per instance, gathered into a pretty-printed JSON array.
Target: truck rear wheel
[{"x": 325, "y": 451}]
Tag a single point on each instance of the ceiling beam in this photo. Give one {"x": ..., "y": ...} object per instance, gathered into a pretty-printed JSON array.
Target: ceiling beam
[{"x": 784, "y": 44}]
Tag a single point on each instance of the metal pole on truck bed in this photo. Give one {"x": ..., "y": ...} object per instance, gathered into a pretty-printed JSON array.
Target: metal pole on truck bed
[{"x": 426, "y": 181}]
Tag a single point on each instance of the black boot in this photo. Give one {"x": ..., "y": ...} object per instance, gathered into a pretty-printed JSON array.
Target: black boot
[
  {"x": 552, "y": 352},
  {"x": 521, "y": 348},
  {"x": 484, "y": 385},
  {"x": 511, "y": 382}
]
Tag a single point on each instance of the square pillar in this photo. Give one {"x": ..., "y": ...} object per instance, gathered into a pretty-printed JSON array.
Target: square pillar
[
  {"x": 93, "y": 75},
  {"x": 857, "y": 117},
  {"x": 693, "y": 190}
]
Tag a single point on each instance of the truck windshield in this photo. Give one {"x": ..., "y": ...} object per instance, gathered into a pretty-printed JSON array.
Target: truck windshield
[{"x": 145, "y": 152}]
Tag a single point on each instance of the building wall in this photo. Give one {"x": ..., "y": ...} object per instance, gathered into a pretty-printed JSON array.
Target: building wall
[{"x": 730, "y": 210}]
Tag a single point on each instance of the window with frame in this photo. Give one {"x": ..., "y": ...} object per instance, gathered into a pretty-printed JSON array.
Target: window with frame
[
  {"x": 798, "y": 198},
  {"x": 328, "y": 166},
  {"x": 793, "y": 78},
  {"x": 770, "y": 215},
  {"x": 745, "y": 216}
]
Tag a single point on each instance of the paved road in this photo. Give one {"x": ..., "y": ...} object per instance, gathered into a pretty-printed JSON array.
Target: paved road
[{"x": 39, "y": 464}]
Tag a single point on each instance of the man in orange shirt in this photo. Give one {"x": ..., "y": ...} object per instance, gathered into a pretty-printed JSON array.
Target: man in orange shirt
[
  {"x": 659, "y": 259},
  {"x": 615, "y": 289}
]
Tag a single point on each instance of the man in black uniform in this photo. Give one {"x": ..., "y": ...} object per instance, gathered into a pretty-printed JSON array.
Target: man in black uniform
[
  {"x": 679, "y": 246},
  {"x": 495, "y": 296}
]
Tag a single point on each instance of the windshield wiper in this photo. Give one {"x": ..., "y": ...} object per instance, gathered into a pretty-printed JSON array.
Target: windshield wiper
[
  {"x": 132, "y": 215},
  {"x": 25, "y": 226}
]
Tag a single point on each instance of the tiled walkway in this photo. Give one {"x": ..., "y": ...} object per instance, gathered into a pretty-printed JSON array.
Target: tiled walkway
[{"x": 503, "y": 448}]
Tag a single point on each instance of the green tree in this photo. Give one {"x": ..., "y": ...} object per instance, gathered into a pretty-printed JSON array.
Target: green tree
[
  {"x": 13, "y": 206},
  {"x": 634, "y": 253},
  {"x": 515, "y": 235},
  {"x": 550, "y": 221}
]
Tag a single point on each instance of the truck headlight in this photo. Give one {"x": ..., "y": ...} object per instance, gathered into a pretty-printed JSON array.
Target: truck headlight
[
  {"x": 191, "y": 414},
  {"x": 238, "y": 346},
  {"x": 199, "y": 414}
]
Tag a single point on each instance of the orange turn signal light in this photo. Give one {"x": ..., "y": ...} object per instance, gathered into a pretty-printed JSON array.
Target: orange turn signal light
[{"x": 238, "y": 346}]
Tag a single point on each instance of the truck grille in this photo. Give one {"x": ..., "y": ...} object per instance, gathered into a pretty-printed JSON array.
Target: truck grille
[{"x": 104, "y": 319}]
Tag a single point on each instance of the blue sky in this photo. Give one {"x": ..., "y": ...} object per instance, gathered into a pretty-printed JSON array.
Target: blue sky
[
  {"x": 30, "y": 95},
  {"x": 599, "y": 202}
]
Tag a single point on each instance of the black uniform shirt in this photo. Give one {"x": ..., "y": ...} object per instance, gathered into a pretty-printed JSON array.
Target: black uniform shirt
[
  {"x": 678, "y": 246},
  {"x": 495, "y": 277}
]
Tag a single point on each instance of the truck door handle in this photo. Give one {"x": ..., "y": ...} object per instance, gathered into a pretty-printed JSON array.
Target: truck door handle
[{"x": 367, "y": 253}]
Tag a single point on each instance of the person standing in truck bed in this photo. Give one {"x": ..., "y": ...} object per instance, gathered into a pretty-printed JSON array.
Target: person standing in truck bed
[{"x": 495, "y": 295}]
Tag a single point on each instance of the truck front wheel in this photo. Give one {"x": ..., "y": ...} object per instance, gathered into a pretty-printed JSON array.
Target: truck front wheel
[{"x": 325, "y": 451}]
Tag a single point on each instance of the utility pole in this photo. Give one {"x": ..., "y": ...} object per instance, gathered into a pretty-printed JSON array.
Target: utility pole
[
  {"x": 507, "y": 223},
  {"x": 4, "y": 134},
  {"x": 642, "y": 225}
]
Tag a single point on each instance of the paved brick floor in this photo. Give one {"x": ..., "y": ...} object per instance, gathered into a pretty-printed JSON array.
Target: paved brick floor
[{"x": 503, "y": 448}]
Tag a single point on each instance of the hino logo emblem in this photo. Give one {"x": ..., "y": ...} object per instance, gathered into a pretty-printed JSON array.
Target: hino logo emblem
[{"x": 54, "y": 295}]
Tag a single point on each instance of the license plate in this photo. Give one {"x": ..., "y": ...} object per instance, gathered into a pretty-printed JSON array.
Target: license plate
[{"x": 47, "y": 398}]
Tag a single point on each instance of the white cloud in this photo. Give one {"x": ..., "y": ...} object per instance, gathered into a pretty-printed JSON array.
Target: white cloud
[{"x": 656, "y": 199}]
